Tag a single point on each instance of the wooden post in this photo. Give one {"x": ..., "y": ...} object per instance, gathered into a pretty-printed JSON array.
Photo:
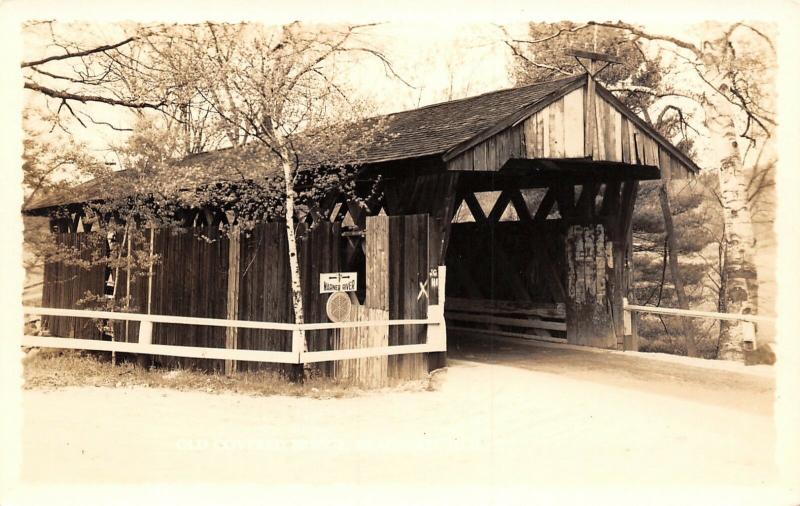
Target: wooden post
[
  {"x": 146, "y": 328},
  {"x": 615, "y": 275},
  {"x": 632, "y": 343},
  {"x": 627, "y": 322},
  {"x": 371, "y": 371},
  {"x": 232, "y": 333},
  {"x": 145, "y": 332},
  {"x": 438, "y": 333},
  {"x": 377, "y": 266},
  {"x": 748, "y": 336},
  {"x": 128, "y": 283},
  {"x": 590, "y": 117},
  {"x": 589, "y": 258},
  {"x": 627, "y": 203}
]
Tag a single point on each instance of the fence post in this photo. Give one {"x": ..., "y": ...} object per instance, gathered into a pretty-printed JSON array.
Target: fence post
[
  {"x": 748, "y": 335},
  {"x": 627, "y": 323},
  {"x": 145, "y": 332},
  {"x": 437, "y": 333},
  {"x": 144, "y": 360},
  {"x": 232, "y": 297},
  {"x": 297, "y": 345}
]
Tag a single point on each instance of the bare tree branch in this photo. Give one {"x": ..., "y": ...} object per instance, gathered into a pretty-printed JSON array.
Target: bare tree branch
[
  {"x": 558, "y": 33},
  {"x": 77, "y": 54},
  {"x": 65, "y": 95},
  {"x": 105, "y": 123},
  {"x": 635, "y": 30},
  {"x": 519, "y": 55}
]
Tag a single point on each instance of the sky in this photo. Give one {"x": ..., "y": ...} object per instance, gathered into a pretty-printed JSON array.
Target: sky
[{"x": 438, "y": 61}]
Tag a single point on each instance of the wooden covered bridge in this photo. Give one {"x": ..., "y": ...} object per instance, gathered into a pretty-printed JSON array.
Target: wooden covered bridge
[{"x": 525, "y": 195}]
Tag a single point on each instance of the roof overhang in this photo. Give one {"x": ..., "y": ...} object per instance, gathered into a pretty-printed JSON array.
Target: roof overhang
[{"x": 542, "y": 173}]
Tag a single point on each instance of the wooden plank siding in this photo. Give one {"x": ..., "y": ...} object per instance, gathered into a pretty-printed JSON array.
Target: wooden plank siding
[
  {"x": 265, "y": 289},
  {"x": 574, "y": 131},
  {"x": 66, "y": 282},
  {"x": 264, "y": 292},
  {"x": 559, "y": 130},
  {"x": 319, "y": 251},
  {"x": 432, "y": 194},
  {"x": 134, "y": 290},
  {"x": 408, "y": 269},
  {"x": 192, "y": 278}
]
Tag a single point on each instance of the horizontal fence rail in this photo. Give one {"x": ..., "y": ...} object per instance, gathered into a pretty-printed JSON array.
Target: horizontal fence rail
[
  {"x": 698, "y": 314},
  {"x": 215, "y": 322},
  {"x": 436, "y": 341},
  {"x": 280, "y": 357},
  {"x": 746, "y": 321}
]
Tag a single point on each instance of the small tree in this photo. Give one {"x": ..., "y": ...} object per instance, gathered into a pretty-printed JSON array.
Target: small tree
[{"x": 273, "y": 95}]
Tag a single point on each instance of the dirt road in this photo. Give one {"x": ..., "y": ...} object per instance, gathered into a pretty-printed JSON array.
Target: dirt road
[
  {"x": 553, "y": 419},
  {"x": 711, "y": 384}
]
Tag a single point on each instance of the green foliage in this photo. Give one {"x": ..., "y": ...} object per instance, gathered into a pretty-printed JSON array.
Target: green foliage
[
  {"x": 698, "y": 229},
  {"x": 664, "y": 335}
]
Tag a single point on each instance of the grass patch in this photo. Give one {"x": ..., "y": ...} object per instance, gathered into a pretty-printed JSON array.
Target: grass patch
[{"x": 51, "y": 369}]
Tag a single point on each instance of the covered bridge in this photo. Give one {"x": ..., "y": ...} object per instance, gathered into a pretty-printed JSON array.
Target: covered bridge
[{"x": 525, "y": 195}]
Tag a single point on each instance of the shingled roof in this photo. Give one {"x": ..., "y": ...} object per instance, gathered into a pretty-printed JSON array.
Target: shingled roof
[
  {"x": 423, "y": 132},
  {"x": 434, "y": 129}
]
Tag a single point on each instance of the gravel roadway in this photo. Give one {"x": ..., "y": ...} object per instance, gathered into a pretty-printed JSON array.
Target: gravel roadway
[{"x": 503, "y": 415}]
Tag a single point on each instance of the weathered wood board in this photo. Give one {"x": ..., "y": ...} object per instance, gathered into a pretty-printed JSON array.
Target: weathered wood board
[
  {"x": 563, "y": 129},
  {"x": 192, "y": 278},
  {"x": 408, "y": 271},
  {"x": 65, "y": 283},
  {"x": 370, "y": 372},
  {"x": 589, "y": 262}
]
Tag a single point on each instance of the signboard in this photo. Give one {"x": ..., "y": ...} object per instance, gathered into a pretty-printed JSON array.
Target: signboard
[
  {"x": 330, "y": 282},
  {"x": 433, "y": 276}
]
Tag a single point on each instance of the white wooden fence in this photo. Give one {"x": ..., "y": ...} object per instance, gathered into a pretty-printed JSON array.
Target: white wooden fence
[
  {"x": 436, "y": 336},
  {"x": 747, "y": 321},
  {"x": 436, "y": 340}
]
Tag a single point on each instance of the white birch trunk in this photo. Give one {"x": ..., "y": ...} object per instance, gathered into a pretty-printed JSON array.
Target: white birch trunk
[
  {"x": 742, "y": 288},
  {"x": 294, "y": 265}
]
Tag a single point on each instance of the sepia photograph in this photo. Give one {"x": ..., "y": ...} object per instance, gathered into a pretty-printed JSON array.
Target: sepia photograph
[{"x": 373, "y": 258}]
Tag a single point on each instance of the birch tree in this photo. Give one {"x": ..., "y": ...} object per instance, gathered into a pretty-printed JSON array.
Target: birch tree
[
  {"x": 731, "y": 70},
  {"x": 725, "y": 75}
]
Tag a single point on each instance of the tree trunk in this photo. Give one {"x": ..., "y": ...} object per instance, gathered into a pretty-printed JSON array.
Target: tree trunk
[
  {"x": 723, "y": 288},
  {"x": 294, "y": 265},
  {"x": 741, "y": 279},
  {"x": 677, "y": 280}
]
